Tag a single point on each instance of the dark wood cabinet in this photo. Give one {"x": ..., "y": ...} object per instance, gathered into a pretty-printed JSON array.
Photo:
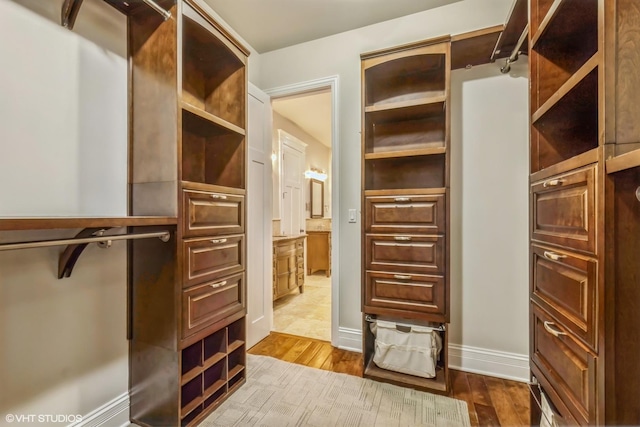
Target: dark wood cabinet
[
  {"x": 188, "y": 82},
  {"x": 288, "y": 265},
  {"x": 585, "y": 89},
  {"x": 319, "y": 252},
  {"x": 405, "y": 158}
]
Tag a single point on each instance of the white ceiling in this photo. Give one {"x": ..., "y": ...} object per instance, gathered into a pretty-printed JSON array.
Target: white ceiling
[
  {"x": 310, "y": 111},
  {"x": 273, "y": 24}
]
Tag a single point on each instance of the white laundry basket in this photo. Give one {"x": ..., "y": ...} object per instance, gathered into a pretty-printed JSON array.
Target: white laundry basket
[{"x": 406, "y": 348}]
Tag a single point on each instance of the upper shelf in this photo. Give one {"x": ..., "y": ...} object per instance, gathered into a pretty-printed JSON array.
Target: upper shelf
[
  {"x": 49, "y": 223},
  {"x": 513, "y": 29},
  {"x": 474, "y": 48},
  {"x": 70, "y": 8},
  {"x": 568, "y": 24}
]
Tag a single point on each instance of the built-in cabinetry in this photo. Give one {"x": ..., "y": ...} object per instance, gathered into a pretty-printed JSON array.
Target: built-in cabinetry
[
  {"x": 188, "y": 150},
  {"x": 288, "y": 265},
  {"x": 405, "y": 181},
  {"x": 584, "y": 288},
  {"x": 319, "y": 252}
]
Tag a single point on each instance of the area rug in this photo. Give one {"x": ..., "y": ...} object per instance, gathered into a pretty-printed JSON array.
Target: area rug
[{"x": 282, "y": 394}]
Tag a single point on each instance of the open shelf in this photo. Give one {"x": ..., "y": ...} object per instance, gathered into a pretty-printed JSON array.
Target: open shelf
[
  {"x": 437, "y": 384},
  {"x": 411, "y": 128},
  {"x": 213, "y": 73},
  {"x": 405, "y": 79},
  {"x": 405, "y": 153},
  {"x": 52, "y": 223},
  {"x": 475, "y": 47},
  {"x": 211, "y": 154},
  {"x": 405, "y": 172},
  {"x": 567, "y": 39},
  {"x": 567, "y": 128}
]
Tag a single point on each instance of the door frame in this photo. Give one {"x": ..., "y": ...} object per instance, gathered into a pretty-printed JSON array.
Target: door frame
[{"x": 331, "y": 83}]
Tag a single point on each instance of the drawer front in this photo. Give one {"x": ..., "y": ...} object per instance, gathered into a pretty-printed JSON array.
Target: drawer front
[
  {"x": 424, "y": 214},
  {"x": 565, "y": 286},
  {"x": 410, "y": 292},
  {"x": 209, "y": 259},
  {"x": 564, "y": 211},
  {"x": 406, "y": 254},
  {"x": 205, "y": 304},
  {"x": 568, "y": 365},
  {"x": 212, "y": 213}
]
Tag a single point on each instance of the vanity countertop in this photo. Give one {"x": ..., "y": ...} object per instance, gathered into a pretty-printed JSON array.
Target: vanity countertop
[{"x": 290, "y": 237}]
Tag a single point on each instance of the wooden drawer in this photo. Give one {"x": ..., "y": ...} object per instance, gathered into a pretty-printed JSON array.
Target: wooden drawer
[
  {"x": 205, "y": 304},
  {"x": 209, "y": 259},
  {"x": 416, "y": 214},
  {"x": 564, "y": 284},
  {"x": 207, "y": 213},
  {"x": 564, "y": 211},
  {"x": 410, "y": 292},
  {"x": 567, "y": 364},
  {"x": 405, "y": 254}
]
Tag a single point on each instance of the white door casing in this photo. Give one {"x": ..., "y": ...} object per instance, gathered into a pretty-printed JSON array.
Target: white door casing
[{"x": 259, "y": 225}]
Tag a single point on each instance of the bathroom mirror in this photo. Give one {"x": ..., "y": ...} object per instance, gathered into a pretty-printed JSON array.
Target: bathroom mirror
[{"x": 317, "y": 198}]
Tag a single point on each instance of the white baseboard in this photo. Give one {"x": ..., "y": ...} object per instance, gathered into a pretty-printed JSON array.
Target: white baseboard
[
  {"x": 349, "y": 339},
  {"x": 510, "y": 366},
  {"x": 113, "y": 413},
  {"x": 500, "y": 364}
]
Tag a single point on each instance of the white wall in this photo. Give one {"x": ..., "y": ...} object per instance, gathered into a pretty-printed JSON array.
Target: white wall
[
  {"x": 316, "y": 155},
  {"x": 63, "y": 133},
  {"x": 340, "y": 55}
]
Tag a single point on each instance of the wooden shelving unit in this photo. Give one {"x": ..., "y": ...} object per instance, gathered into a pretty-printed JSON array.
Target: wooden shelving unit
[
  {"x": 583, "y": 64},
  {"x": 405, "y": 155}
]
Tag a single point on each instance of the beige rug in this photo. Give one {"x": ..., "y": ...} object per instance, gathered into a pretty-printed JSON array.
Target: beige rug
[{"x": 282, "y": 394}]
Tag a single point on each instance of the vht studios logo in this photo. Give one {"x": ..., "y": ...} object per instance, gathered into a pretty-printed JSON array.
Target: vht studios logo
[{"x": 43, "y": 418}]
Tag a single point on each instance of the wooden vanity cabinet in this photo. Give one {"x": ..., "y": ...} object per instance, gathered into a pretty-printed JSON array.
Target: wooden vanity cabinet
[
  {"x": 319, "y": 252},
  {"x": 288, "y": 265}
]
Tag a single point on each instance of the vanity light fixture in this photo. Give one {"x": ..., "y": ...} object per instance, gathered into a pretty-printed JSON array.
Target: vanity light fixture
[{"x": 315, "y": 173}]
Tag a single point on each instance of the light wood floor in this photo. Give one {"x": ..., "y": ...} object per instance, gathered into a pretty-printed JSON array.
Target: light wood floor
[{"x": 491, "y": 401}]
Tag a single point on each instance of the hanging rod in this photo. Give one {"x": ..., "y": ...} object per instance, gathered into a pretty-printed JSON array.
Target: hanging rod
[
  {"x": 155, "y": 6},
  {"x": 516, "y": 51},
  {"x": 162, "y": 235}
]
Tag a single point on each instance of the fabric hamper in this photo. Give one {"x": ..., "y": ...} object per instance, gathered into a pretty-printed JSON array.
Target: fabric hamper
[{"x": 406, "y": 348}]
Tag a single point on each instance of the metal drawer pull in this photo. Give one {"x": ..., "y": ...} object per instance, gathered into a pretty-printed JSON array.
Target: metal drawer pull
[
  {"x": 552, "y": 183},
  {"x": 219, "y": 196},
  {"x": 218, "y": 240},
  {"x": 553, "y": 256},
  {"x": 402, "y": 277},
  {"x": 403, "y": 238},
  {"x": 554, "y": 332},
  {"x": 403, "y": 199},
  {"x": 219, "y": 284}
]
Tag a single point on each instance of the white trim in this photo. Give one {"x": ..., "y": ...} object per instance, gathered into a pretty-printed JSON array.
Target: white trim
[
  {"x": 106, "y": 414},
  {"x": 332, "y": 83},
  {"x": 501, "y": 364},
  {"x": 350, "y": 339}
]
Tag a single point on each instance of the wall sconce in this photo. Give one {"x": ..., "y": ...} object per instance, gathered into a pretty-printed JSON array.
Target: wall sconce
[{"x": 315, "y": 173}]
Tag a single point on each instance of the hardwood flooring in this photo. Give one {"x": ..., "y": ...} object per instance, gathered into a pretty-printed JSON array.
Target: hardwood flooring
[{"x": 491, "y": 401}]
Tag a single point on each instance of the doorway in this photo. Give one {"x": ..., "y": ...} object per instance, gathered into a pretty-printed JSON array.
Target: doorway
[{"x": 307, "y": 113}]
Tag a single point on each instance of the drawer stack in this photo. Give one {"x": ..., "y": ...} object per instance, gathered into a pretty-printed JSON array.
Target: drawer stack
[
  {"x": 405, "y": 184},
  {"x": 288, "y": 265}
]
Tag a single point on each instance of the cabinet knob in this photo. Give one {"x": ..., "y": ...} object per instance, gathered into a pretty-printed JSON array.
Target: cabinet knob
[
  {"x": 219, "y": 284},
  {"x": 402, "y": 238},
  {"x": 553, "y": 256},
  {"x": 219, "y": 196},
  {"x": 554, "y": 332},
  {"x": 552, "y": 183},
  {"x": 218, "y": 241}
]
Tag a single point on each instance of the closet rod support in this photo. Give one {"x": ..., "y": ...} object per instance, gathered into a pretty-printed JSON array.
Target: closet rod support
[
  {"x": 516, "y": 51},
  {"x": 70, "y": 9}
]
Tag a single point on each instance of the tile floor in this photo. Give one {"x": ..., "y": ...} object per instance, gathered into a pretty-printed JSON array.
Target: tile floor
[{"x": 307, "y": 314}]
